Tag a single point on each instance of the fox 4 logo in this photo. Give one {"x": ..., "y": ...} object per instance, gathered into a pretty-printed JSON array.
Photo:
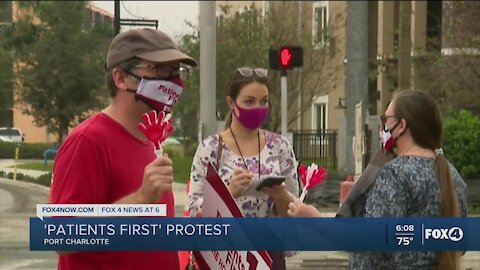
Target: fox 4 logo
[{"x": 454, "y": 234}]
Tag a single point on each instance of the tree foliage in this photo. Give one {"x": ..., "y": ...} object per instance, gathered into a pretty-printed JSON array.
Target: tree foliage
[
  {"x": 453, "y": 76},
  {"x": 186, "y": 111},
  {"x": 6, "y": 91},
  {"x": 244, "y": 39},
  {"x": 462, "y": 134},
  {"x": 58, "y": 62}
]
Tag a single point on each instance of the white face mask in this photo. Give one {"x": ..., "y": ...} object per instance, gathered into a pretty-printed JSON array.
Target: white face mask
[{"x": 160, "y": 94}]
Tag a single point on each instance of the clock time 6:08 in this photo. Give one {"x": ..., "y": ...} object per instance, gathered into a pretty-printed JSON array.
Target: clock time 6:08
[{"x": 404, "y": 228}]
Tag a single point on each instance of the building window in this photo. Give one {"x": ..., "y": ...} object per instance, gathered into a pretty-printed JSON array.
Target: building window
[
  {"x": 5, "y": 11},
  {"x": 320, "y": 113},
  {"x": 266, "y": 8},
  {"x": 97, "y": 19},
  {"x": 434, "y": 26},
  {"x": 88, "y": 20},
  {"x": 320, "y": 23}
]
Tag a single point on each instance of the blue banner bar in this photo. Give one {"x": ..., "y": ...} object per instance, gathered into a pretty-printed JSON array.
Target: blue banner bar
[{"x": 302, "y": 234}]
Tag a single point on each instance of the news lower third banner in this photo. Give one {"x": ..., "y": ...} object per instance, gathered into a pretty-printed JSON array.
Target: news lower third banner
[{"x": 272, "y": 234}]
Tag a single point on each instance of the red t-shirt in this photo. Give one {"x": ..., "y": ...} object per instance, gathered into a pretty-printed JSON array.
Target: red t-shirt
[{"x": 100, "y": 162}]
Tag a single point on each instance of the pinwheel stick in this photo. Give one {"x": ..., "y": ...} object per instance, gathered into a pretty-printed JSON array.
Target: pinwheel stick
[{"x": 311, "y": 177}]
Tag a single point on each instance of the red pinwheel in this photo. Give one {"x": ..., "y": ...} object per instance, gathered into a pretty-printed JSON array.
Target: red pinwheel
[
  {"x": 311, "y": 177},
  {"x": 302, "y": 171},
  {"x": 156, "y": 127}
]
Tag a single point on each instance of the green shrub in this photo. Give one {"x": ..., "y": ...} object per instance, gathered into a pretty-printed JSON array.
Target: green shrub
[
  {"x": 191, "y": 149},
  {"x": 34, "y": 150},
  {"x": 7, "y": 150},
  {"x": 44, "y": 180},
  {"x": 21, "y": 177},
  {"x": 26, "y": 150},
  {"x": 173, "y": 151},
  {"x": 181, "y": 168},
  {"x": 462, "y": 143}
]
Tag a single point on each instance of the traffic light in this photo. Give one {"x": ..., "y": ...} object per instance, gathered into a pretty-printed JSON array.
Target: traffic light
[{"x": 286, "y": 57}]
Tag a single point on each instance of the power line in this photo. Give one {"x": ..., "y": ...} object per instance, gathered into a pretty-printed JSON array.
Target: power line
[{"x": 130, "y": 13}]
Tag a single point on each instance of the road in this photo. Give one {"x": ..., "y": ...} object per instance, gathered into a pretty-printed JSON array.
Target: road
[{"x": 17, "y": 205}]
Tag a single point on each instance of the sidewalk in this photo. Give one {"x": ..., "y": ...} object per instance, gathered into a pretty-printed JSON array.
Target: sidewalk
[
  {"x": 179, "y": 189},
  {"x": 6, "y": 165}
]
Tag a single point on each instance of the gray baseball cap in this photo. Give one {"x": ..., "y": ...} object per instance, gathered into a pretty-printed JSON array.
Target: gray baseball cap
[{"x": 145, "y": 43}]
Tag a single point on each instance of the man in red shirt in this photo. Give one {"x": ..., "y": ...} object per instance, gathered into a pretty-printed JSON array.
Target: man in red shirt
[{"x": 107, "y": 159}]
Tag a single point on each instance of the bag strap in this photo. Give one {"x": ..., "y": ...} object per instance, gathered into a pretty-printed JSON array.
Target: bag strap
[{"x": 219, "y": 151}]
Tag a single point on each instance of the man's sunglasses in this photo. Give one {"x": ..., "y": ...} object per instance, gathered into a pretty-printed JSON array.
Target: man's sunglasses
[{"x": 162, "y": 69}]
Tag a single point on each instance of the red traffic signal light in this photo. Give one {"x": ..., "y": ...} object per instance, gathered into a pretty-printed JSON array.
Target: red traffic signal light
[{"x": 285, "y": 58}]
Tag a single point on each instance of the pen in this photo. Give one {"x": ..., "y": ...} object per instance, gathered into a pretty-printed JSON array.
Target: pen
[{"x": 229, "y": 166}]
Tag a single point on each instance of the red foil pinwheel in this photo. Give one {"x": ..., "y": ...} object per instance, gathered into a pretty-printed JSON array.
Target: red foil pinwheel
[
  {"x": 157, "y": 128},
  {"x": 311, "y": 177}
]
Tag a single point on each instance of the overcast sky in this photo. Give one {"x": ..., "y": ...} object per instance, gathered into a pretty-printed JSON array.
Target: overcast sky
[{"x": 170, "y": 14}]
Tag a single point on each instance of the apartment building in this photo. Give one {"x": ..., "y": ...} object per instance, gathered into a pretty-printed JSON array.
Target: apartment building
[{"x": 325, "y": 21}]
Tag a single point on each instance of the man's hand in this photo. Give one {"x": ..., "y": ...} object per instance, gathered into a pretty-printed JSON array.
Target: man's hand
[
  {"x": 157, "y": 178},
  {"x": 240, "y": 181}
]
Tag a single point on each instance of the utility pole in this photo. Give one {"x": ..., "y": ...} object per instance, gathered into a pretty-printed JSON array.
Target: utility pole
[
  {"x": 118, "y": 22},
  {"x": 208, "y": 40},
  {"x": 300, "y": 70},
  {"x": 404, "y": 58},
  {"x": 284, "y": 104},
  {"x": 357, "y": 71},
  {"x": 116, "y": 18}
]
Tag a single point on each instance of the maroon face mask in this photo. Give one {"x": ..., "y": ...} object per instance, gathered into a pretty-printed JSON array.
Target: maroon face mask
[{"x": 251, "y": 118}]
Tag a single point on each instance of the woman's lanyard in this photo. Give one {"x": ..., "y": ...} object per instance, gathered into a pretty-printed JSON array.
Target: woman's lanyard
[{"x": 238, "y": 147}]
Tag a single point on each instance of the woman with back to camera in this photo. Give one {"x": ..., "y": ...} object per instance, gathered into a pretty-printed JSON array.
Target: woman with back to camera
[
  {"x": 247, "y": 153},
  {"x": 419, "y": 182}
]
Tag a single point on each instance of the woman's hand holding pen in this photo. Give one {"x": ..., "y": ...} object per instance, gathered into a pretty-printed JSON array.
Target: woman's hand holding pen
[{"x": 240, "y": 181}]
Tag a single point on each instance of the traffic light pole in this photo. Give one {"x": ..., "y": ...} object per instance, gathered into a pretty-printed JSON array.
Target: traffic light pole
[
  {"x": 116, "y": 19},
  {"x": 282, "y": 59},
  {"x": 284, "y": 108},
  {"x": 208, "y": 30}
]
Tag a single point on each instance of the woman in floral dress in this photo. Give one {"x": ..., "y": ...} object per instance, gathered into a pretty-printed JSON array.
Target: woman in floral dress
[{"x": 248, "y": 153}]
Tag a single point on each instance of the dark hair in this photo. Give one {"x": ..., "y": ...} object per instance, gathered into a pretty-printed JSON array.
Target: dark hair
[
  {"x": 236, "y": 83},
  {"x": 424, "y": 121},
  {"x": 125, "y": 66}
]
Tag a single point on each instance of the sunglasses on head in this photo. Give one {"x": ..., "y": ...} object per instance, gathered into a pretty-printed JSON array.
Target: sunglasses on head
[{"x": 248, "y": 72}]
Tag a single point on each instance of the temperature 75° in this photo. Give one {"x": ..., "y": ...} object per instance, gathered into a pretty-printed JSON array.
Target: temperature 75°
[{"x": 404, "y": 240}]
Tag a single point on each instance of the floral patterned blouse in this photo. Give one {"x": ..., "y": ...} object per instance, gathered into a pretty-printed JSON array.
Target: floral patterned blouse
[
  {"x": 406, "y": 187},
  {"x": 276, "y": 158}
]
